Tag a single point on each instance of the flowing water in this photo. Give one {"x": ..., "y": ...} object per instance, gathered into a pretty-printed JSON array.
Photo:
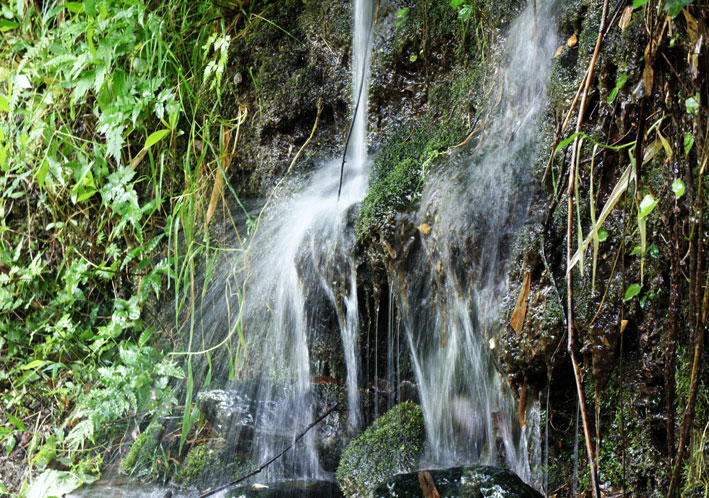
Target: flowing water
[{"x": 475, "y": 204}]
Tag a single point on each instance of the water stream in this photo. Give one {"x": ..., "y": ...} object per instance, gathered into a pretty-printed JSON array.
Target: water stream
[{"x": 475, "y": 204}]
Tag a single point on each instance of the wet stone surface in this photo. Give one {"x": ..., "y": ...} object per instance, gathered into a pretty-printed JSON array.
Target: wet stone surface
[
  {"x": 459, "y": 482},
  {"x": 289, "y": 489}
]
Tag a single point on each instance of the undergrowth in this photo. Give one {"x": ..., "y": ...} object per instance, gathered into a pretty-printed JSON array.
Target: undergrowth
[{"x": 109, "y": 138}]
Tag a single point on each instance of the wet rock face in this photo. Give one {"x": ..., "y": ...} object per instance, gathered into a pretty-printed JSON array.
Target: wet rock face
[
  {"x": 476, "y": 481},
  {"x": 289, "y": 489},
  {"x": 232, "y": 414}
]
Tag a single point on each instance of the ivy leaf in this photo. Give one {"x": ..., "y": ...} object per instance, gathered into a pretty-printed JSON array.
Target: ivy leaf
[
  {"x": 678, "y": 187},
  {"x": 647, "y": 205},
  {"x": 632, "y": 291}
]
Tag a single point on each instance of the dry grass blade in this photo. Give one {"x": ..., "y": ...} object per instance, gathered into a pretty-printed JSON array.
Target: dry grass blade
[
  {"x": 620, "y": 187},
  {"x": 520, "y": 311}
]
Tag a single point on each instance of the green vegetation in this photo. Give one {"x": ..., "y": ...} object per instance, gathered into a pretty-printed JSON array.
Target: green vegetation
[
  {"x": 392, "y": 445},
  {"x": 107, "y": 142}
]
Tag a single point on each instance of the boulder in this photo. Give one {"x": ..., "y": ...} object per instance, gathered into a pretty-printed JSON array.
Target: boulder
[{"x": 475, "y": 481}]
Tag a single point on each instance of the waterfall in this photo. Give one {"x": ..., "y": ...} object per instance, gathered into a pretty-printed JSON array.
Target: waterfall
[
  {"x": 474, "y": 205},
  {"x": 297, "y": 283}
]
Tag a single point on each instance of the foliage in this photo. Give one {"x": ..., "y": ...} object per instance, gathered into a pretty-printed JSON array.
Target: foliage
[{"x": 93, "y": 98}]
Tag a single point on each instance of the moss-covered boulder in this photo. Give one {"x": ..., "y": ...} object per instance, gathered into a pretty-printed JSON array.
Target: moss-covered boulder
[
  {"x": 392, "y": 445},
  {"x": 212, "y": 463},
  {"x": 143, "y": 449}
]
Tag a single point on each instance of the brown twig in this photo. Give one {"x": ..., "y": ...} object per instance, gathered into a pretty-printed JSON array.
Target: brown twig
[{"x": 569, "y": 256}]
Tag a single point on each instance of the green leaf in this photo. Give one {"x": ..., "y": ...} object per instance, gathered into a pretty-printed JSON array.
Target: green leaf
[
  {"x": 602, "y": 235},
  {"x": 678, "y": 188},
  {"x": 688, "y": 142},
  {"x": 401, "y": 13},
  {"x": 692, "y": 104},
  {"x": 155, "y": 137},
  {"x": 639, "y": 3},
  {"x": 6, "y": 25},
  {"x": 647, "y": 205},
  {"x": 34, "y": 364},
  {"x": 465, "y": 12},
  {"x": 622, "y": 79},
  {"x": 636, "y": 250},
  {"x": 456, "y": 3},
  {"x": 42, "y": 173},
  {"x": 19, "y": 425},
  {"x": 74, "y": 7},
  {"x": 674, "y": 7},
  {"x": 4, "y": 104},
  {"x": 632, "y": 291}
]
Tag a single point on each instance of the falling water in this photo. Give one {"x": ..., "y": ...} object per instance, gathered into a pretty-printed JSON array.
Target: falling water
[
  {"x": 474, "y": 206},
  {"x": 296, "y": 284}
]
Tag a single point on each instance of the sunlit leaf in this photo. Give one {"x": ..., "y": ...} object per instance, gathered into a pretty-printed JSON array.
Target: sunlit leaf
[
  {"x": 647, "y": 205},
  {"x": 155, "y": 137},
  {"x": 4, "y": 104},
  {"x": 602, "y": 235},
  {"x": 639, "y": 3},
  {"x": 692, "y": 104},
  {"x": 678, "y": 187}
]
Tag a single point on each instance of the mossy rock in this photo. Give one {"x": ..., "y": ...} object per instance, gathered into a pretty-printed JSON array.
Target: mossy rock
[
  {"x": 392, "y": 445},
  {"x": 210, "y": 464},
  {"x": 143, "y": 449}
]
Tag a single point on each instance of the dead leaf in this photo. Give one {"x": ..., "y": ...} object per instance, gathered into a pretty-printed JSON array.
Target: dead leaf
[
  {"x": 649, "y": 71},
  {"x": 135, "y": 162},
  {"x": 665, "y": 145},
  {"x": 572, "y": 41},
  {"x": 520, "y": 312},
  {"x": 625, "y": 17},
  {"x": 522, "y": 407},
  {"x": 692, "y": 26},
  {"x": 623, "y": 324},
  {"x": 438, "y": 267},
  {"x": 648, "y": 79},
  {"x": 424, "y": 228},
  {"x": 605, "y": 342},
  {"x": 559, "y": 51},
  {"x": 427, "y": 485},
  {"x": 390, "y": 249}
]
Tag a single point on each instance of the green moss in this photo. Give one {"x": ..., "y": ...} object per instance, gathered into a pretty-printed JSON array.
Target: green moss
[
  {"x": 143, "y": 448},
  {"x": 391, "y": 445},
  {"x": 209, "y": 463},
  {"x": 399, "y": 169}
]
